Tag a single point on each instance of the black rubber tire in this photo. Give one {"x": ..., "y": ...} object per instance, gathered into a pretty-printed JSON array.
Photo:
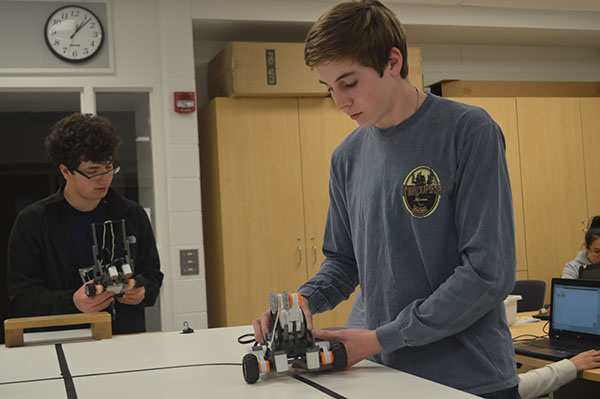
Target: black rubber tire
[
  {"x": 90, "y": 290},
  {"x": 340, "y": 357},
  {"x": 250, "y": 368}
]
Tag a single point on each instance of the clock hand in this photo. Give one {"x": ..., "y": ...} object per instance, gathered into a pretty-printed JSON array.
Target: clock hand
[{"x": 78, "y": 28}]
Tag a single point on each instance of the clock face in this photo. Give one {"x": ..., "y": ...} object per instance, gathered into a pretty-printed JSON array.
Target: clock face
[{"x": 74, "y": 34}]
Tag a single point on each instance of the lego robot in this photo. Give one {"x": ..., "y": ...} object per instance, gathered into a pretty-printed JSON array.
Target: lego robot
[
  {"x": 113, "y": 269},
  {"x": 290, "y": 342}
]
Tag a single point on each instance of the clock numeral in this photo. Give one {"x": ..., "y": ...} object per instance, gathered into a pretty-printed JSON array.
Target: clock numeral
[
  {"x": 56, "y": 21},
  {"x": 92, "y": 43},
  {"x": 74, "y": 53},
  {"x": 86, "y": 51},
  {"x": 56, "y": 42},
  {"x": 95, "y": 35},
  {"x": 65, "y": 49},
  {"x": 92, "y": 25},
  {"x": 75, "y": 13},
  {"x": 64, "y": 15},
  {"x": 53, "y": 33}
]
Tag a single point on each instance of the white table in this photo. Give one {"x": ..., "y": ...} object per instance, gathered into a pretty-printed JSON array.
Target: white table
[{"x": 206, "y": 363}]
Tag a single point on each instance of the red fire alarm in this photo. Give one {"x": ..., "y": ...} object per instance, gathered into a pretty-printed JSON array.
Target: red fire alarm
[{"x": 185, "y": 102}]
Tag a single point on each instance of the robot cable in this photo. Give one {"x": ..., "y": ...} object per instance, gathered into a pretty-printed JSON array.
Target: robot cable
[
  {"x": 273, "y": 335},
  {"x": 112, "y": 233}
]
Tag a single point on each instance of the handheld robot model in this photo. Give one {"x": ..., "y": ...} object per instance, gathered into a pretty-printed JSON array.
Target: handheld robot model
[
  {"x": 290, "y": 342},
  {"x": 113, "y": 269}
]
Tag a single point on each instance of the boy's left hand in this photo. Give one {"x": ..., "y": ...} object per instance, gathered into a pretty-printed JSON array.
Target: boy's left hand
[{"x": 133, "y": 296}]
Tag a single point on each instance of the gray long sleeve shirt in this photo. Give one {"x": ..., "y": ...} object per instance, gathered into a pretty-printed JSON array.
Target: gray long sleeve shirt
[{"x": 421, "y": 217}]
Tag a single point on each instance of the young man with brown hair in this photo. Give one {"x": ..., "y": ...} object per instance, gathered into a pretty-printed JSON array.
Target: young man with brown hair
[
  {"x": 52, "y": 238},
  {"x": 420, "y": 214}
]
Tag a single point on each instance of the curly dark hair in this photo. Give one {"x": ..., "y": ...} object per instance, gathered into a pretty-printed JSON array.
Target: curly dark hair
[{"x": 82, "y": 137}]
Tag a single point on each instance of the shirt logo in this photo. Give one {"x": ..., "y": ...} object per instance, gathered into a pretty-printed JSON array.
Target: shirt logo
[{"x": 421, "y": 191}]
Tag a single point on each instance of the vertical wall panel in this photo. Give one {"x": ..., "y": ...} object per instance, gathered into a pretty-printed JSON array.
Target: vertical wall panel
[
  {"x": 590, "y": 120},
  {"x": 554, "y": 189}
]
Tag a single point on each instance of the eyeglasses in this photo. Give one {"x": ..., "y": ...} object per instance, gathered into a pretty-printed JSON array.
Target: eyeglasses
[{"x": 112, "y": 171}]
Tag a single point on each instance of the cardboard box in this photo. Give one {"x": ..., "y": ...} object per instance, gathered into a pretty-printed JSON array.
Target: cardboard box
[
  {"x": 262, "y": 69},
  {"x": 257, "y": 69},
  {"x": 495, "y": 88}
]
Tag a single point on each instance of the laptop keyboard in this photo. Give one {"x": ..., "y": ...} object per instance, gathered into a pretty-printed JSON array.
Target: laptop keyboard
[{"x": 570, "y": 346}]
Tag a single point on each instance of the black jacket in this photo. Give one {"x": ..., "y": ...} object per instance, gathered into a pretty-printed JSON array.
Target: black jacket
[{"x": 40, "y": 272}]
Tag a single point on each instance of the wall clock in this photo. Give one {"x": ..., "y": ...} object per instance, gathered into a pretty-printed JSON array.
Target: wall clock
[{"x": 74, "y": 34}]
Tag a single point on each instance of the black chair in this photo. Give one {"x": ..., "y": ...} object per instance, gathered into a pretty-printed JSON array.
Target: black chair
[
  {"x": 532, "y": 292},
  {"x": 590, "y": 272}
]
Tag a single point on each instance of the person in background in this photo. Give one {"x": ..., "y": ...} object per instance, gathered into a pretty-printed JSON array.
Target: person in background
[
  {"x": 52, "y": 238},
  {"x": 420, "y": 215},
  {"x": 542, "y": 381},
  {"x": 591, "y": 253}
]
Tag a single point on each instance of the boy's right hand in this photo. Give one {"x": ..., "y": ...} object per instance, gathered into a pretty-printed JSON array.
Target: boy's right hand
[
  {"x": 264, "y": 323},
  {"x": 90, "y": 304}
]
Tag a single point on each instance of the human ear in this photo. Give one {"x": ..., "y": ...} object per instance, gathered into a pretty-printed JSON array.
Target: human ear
[
  {"x": 395, "y": 61},
  {"x": 66, "y": 173}
]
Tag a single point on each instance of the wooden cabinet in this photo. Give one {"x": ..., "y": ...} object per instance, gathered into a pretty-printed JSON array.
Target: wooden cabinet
[
  {"x": 590, "y": 125},
  {"x": 551, "y": 146},
  {"x": 264, "y": 174},
  {"x": 322, "y": 128},
  {"x": 553, "y": 175}
]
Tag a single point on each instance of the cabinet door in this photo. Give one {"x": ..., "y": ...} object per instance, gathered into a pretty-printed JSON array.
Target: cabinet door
[
  {"x": 553, "y": 176},
  {"x": 261, "y": 202},
  {"x": 590, "y": 118},
  {"x": 504, "y": 112},
  {"x": 322, "y": 128}
]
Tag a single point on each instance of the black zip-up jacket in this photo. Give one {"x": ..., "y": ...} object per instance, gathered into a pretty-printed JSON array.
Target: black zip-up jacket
[{"x": 40, "y": 272}]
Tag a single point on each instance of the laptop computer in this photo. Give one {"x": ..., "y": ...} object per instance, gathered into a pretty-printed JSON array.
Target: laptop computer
[
  {"x": 574, "y": 321},
  {"x": 590, "y": 272}
]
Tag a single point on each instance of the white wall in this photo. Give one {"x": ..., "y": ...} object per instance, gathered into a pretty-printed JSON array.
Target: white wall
[
  {"x": 153, "y": 52},
  {"x": 470, "y": 43},
  {"x": 470, "y": 62}
]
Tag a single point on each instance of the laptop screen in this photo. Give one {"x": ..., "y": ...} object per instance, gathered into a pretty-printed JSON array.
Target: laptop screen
[{"x": 575, "y": 307}]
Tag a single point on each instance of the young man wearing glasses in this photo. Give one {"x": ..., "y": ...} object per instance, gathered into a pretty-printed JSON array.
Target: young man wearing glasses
[{"x": 52, "y": 238}]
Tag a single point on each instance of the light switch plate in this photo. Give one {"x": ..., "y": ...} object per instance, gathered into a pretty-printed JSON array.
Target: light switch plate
[{"x": 188, "y": 260}]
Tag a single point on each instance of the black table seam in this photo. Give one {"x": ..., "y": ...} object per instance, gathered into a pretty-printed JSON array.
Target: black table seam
[{"x": 66, "y": 374}]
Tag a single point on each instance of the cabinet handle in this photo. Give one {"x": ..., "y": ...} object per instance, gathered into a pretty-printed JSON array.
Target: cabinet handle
[
  {"x": 299, "y": 255},
  {"x": 315, "y": 253}
]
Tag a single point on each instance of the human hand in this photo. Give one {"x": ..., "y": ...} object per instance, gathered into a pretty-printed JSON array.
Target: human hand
[
  {"x": 265, "y": 323},
  {"x": 360, "y": 344},
  {"x": 133, "y": 296},
  {"x": 89, "y": 304},
  {"x": 586, "y": 360}
]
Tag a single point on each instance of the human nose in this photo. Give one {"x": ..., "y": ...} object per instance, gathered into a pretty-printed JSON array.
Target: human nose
[
  {"x": 105, "y": 176},
  {"x": 341, "y": 101}
]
